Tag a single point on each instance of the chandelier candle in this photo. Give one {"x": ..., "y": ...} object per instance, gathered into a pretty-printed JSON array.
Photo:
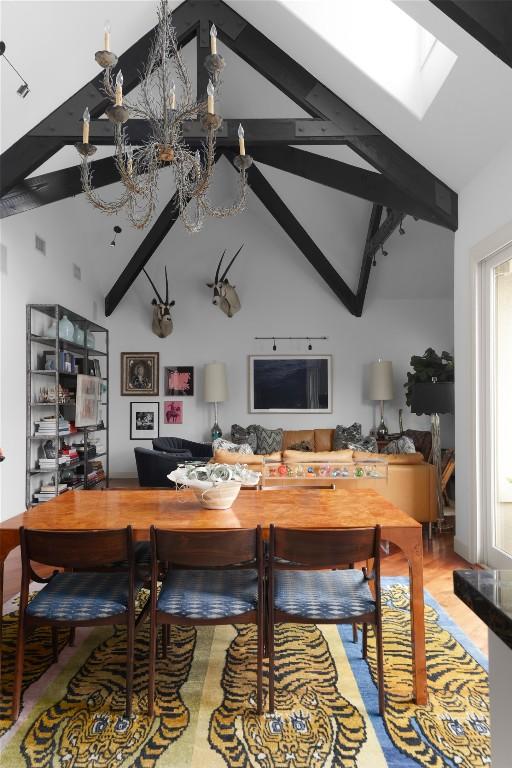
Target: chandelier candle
[
  {"x": 213, "y": 39},
  {"x": 241, "y": 140},
  {"x": 106, "y": 36},
  {"x": 211, "y": 98},
  {"x": 173, "y": 95},
  {"x": 85, "y": 128},
  {"x": 119, "y": 89}
]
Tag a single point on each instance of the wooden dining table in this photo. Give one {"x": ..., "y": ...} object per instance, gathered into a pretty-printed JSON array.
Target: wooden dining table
[{"x": 294, "y": 507}]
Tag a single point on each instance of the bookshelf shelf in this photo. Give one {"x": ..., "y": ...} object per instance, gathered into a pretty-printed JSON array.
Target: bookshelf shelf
[{"x": 40, "y": 344}]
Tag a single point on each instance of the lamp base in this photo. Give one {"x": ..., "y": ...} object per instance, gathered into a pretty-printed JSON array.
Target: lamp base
[
  {"x": 382, "y": 430},
  {"x": 216, "y": 431}
]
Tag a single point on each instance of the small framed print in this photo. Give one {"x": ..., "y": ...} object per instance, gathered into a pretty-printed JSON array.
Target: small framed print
[
  {"x": 144, "y": 420},
  {"x": 179, "y": 381},
  {"x": 139, "y": 373},
  {"x": 173, "y": 411}
]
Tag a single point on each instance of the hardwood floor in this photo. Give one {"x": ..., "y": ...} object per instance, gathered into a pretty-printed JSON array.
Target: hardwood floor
[{"x": 439, "y": 562}]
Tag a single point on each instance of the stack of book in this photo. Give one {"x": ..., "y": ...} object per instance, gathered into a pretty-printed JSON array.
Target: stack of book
[
  {"x": 49, "y": 464},
  {"x": 48, "y": 491},
  {"x": 96, "y": 472},
  {"x": 48, "y": 426}
]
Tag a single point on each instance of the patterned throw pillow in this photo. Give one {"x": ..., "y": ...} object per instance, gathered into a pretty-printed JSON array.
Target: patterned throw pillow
[
  {"x": 224, "y": 445},
  {"x": 401, "y": 445},
  {"x": 303, "y": 445},
  {"x": 269, "y": 440},
  {"x": 351, "y": 437},
  {"x": 242, "y": 436}
]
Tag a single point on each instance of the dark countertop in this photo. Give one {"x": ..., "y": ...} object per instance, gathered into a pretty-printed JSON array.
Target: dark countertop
[{"x": 489, "y": 595}]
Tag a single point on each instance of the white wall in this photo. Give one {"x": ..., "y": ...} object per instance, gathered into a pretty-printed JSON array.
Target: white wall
[{"x": 408, "y": 308}]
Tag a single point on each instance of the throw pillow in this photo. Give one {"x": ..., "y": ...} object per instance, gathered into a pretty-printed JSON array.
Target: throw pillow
[
  {"x": 269, "y": 440},
  {"x": 401, "y": 445},
  {"x": 224, "y": 445},
  {"x": 344, "y": 435},
  {"x": 242, "y": 436},
  {"x": 303, "y": 445}
]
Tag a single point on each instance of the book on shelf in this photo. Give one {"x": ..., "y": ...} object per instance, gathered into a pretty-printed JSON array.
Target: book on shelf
[{"x": 48, "y": 425}]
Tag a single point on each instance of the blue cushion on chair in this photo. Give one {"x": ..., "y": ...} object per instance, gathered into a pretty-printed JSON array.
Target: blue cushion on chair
[
  {"x": 82, "y": 596},
  {"x": 209, "y": 594},
  {"x": 323, "y": 594}
]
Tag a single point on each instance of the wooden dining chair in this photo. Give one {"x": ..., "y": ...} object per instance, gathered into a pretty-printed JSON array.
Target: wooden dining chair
[
  {"x": 85, "y": 594},
  {"x": 301, "y": 589},
  {"x": 213, "y": 577}
]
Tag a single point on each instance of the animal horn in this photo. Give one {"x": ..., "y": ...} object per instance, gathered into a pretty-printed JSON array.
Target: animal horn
[
  {"x": 154, "y": 288},
  {"x": 166, "y": 287},
  {"x": 231, "y": 262},
  {"x": 218, "y": 268}
]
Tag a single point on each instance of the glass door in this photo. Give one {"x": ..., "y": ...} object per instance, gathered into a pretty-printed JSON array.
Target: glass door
[{"x": 497, "y": 405}]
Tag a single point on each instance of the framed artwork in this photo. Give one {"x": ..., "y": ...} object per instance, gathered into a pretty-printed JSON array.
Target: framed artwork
[
  {"x": 139, "y": 373},
  {"x": 179, "y": 381},
  {"x": 87, "y": 399},
  {"x": 144, "y": 420},
  {"x": 290, "y": 384},
  {"x": 173, "y": 411}
]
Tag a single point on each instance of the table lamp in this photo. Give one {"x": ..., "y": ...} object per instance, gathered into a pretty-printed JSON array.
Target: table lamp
[
  {"x": 381, "y": 388},
  {"x": 432, "y": 398},
  {"x": 215, "y": 390}
]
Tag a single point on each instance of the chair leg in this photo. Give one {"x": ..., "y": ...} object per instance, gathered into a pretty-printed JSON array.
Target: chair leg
[
  {"x": 152, "y": 664},
  {"x": 354, "y": 633},
  {"x": 164, "y": 641},
  {"x": 271, "y": 661},
  {"x": 18, "y": 675},
  {"x": 55, "y": 644},
  {"x": 72, "y": 634},
  {"x": 130, "y": 653},
  {"x": 259, "y": 674},
  {"x": 365, "y": 640},
  {"x": 380, "y": 667}
]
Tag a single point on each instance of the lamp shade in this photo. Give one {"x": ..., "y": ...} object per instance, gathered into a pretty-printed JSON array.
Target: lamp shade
[
  {"x": 433, "y": 397},
  {"x": 381, "y": 380},
  {"x": 215, "y": 383}
]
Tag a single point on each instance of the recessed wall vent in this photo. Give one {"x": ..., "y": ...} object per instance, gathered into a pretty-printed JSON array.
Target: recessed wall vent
[
  {"x": 40, "y": 245},
  {"x": 77, "y": 272}
]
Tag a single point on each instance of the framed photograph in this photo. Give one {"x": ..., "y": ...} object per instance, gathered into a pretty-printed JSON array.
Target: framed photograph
[
  {"x": 87, "y": 400},
  {"x": 144, "y": 420},
  {"x": 173, "y": 411},
  {"x": 179, "y": 381},
  {"x": 139, "y": 373},
  {"x": 290, "y": 384}
]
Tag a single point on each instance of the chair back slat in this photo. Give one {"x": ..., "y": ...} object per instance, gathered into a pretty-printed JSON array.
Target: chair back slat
[
  {"x": 209, "y": 549},
  {"x": 322, "y": 548},
  {"x": 77, "y": 549}
]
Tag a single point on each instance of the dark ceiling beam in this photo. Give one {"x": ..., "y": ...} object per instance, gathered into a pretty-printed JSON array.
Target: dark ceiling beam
[
  {"x": 377, "y": 235},
  {"x": 296, "y": 232},
  {"x": 301, "y": 86},
  {"x": 32, "y": 150},
  {"x": 488, "y": 21},
  {"x": 344, "y": 177},
  {"x": 202, "y": 51},
  {"x": 257, "y": 131}
]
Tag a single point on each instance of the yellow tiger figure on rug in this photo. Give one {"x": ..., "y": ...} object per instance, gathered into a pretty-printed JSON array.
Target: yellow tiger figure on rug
[
  {"x": 443, "y": 732},
  {"x": 314, "y": 725},
  {"x": 88, "y": 728}
]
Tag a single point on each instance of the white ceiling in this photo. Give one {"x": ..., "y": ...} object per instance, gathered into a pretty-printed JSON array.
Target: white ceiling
[{"x": 52, "y": 44}]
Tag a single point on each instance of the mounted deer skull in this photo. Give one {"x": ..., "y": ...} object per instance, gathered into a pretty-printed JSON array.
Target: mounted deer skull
[
  {"x": 162, "y": 321},
  {"x": 224, "y": 295}
]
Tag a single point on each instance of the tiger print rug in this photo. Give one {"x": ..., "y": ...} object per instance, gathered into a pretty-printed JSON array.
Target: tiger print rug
[{"x": 326, "y": 699}]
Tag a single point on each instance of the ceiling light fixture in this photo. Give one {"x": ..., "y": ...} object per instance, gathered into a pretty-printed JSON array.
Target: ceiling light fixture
[
  {"x": 166, "y": 111},
  {"x": 117, "y": 231},
  {"x": 23, "y": 90}
]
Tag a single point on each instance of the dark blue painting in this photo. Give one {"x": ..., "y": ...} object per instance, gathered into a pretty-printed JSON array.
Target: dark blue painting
[{"x": 291, "y": 383}]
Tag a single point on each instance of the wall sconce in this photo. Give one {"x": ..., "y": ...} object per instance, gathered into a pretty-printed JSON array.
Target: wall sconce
[
  {"x": 117, "y": 231},
  {"x": 23, "y": 90}
]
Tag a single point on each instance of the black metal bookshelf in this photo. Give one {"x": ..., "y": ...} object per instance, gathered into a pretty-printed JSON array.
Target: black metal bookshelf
[{"x": 40, "y": 319}]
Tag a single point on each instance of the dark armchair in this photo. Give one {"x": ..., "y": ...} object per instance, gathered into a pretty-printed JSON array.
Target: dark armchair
[{"x": 153, "y": 466}]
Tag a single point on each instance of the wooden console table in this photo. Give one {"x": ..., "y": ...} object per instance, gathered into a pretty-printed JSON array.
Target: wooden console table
[{"x": 340, "y": 508}]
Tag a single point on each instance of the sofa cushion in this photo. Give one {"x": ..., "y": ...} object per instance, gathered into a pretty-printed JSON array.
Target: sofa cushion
[
  {"x": 219, "y": 444},
  {"x": 400, "y": 445},
  {"x": 226, "y": 457},
  {"x": 244, "y": 436},
  {"x": 294, "y": 437},
  {"x": 323, "y": 439},
  {"x": 422, "y": 440},
  {"x": 269, "y": 440},
  {"x": 390, "y": 458},
  {"x": 305, "y": 456}
]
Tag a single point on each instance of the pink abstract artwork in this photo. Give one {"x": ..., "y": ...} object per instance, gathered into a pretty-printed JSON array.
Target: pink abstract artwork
[{"x": 179, "y": 380}]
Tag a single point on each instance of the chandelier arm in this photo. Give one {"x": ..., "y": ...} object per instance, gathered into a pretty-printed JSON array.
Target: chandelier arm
[
  {"x": 107, "y": 207},
  {"x": 236, "y": 207}
]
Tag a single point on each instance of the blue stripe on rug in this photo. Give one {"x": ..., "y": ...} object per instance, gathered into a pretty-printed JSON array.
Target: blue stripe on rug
[{"x": 394, "y": 756}]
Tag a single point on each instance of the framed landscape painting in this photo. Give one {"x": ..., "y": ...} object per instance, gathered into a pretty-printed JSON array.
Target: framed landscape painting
[
  {"x": 144, "y": 420},
  {"x": 139, "y": 373},
  {"x": 290, "y": 384},
  {"x": 179, "y": 381}
]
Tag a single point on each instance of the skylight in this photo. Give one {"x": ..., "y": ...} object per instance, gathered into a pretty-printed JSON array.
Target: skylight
[{"x": 385, "y": 43}]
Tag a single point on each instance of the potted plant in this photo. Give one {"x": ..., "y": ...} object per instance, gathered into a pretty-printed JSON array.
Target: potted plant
[{"x": 427, "y": 368}]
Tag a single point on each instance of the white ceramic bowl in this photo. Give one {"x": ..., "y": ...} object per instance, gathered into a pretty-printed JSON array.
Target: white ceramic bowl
[{"x": 220, "y": 496}]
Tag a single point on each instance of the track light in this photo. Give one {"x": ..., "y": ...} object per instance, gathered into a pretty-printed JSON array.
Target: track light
[
  {"x": 384, "y": 253},
  {"x": 310, "y": 346},
  {"x": 401, "y": 230},
  {"x": 374, "y": 262},
  {"x": 274, "y": 346},
  {"x": 23, "y": 90},
  {"x": 117, "y": 230}
]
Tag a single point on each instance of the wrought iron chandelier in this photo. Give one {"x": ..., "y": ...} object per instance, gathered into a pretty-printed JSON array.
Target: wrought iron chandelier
[{"x": 165, "y": 112}]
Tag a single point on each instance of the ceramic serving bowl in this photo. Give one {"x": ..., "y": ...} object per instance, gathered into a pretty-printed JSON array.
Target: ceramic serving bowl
[{"x": 220, "y": 496}]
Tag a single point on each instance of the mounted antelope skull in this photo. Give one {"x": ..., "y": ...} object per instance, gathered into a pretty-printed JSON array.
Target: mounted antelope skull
[
  {"x": 162, "y": 321},
  {"x": 224, "y": 295}
]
